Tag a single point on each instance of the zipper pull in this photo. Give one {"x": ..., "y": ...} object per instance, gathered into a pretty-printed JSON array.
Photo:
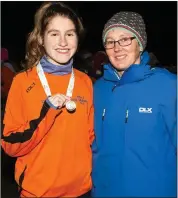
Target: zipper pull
[
  {"x": 104, "y": 110},
  {"x": 114, "y": 87},
  {"x": 127, "y": 116}
]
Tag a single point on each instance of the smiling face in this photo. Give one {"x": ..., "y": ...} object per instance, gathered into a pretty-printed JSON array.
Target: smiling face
[
  {"x": 122, "y": 57},
  {"x": 60, "y": 40}
]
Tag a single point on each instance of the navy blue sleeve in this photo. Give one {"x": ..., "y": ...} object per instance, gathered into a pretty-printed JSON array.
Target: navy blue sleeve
[{"x": 50, "y": 104}]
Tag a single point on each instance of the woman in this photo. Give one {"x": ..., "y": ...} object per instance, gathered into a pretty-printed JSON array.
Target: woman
[
  {"x": 49, "y": 112},
  {"x": 134, "y": 152}
]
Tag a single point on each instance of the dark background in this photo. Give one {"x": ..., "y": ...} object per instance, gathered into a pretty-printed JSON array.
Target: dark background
[
  {"x": 17, "y": 21},
  {"x": 160, "y": 18}
]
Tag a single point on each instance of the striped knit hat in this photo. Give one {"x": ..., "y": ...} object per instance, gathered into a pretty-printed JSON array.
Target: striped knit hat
[{"x": 130, "y": 21}]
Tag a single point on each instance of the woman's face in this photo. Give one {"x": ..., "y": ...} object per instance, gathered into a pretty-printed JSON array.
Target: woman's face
[
  {"x": 60, "y": 40},
  {"x": 122, "y": 57}
]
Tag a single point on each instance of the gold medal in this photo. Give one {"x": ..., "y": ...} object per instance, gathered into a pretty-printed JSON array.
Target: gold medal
[{"x": 70, "y": 105}]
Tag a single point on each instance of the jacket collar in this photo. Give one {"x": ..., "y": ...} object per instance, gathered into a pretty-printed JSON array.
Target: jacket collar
[{"x": 135, "y": 72}]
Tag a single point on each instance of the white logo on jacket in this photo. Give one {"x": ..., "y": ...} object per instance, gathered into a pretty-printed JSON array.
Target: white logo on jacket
[{"x": 145, "y": 110}]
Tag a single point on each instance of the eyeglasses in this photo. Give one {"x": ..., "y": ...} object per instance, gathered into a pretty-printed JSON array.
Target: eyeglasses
[{"x": 122, "y": 42}]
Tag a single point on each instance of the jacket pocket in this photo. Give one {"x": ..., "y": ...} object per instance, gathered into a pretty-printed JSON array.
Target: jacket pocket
[
  {"x": 99, "y": 128},
  {"x": 21, "y": 178}
]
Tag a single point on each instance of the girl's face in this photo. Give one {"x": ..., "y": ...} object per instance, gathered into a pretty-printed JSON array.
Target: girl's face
[{"x": 60, "y": 40}]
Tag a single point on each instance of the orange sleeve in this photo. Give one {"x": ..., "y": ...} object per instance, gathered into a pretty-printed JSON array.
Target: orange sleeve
[
  {"x": 91, "y": 123},
  {"x": 91, "y": 112},
  {"x": 21, "y": 135}
]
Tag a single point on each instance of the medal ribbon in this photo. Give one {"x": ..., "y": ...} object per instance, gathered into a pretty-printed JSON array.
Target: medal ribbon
[{"x": 45, "y": 84}]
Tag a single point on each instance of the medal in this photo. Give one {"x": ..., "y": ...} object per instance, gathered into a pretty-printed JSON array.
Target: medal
[{"x": 70, "y": 105}]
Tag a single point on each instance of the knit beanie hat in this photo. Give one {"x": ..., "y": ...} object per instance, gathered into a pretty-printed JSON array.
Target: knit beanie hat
[{"x": 130, "y": 21}]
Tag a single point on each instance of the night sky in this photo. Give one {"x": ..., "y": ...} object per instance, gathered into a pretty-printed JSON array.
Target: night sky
[{"x": 160, "y": 17}]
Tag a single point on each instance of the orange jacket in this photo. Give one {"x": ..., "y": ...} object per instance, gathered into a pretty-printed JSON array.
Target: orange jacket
[{"x": 52, "y": 146}]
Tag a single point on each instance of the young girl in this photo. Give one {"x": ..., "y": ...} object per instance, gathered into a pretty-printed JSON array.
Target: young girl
[{"x": 49, "y": 112}]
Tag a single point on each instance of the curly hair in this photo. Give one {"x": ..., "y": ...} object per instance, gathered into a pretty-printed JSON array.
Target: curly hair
[{"x": 47, "y": 11}]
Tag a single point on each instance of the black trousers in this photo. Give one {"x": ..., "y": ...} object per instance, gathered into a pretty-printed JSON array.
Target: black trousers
[{"x": 86, "y": 195}]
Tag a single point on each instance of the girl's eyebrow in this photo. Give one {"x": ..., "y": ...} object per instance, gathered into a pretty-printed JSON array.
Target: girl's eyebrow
[{"x": 54, "y": 30}]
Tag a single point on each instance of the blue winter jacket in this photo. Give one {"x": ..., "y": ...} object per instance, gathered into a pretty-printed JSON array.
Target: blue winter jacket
[{"x": 134, "y": 152}]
